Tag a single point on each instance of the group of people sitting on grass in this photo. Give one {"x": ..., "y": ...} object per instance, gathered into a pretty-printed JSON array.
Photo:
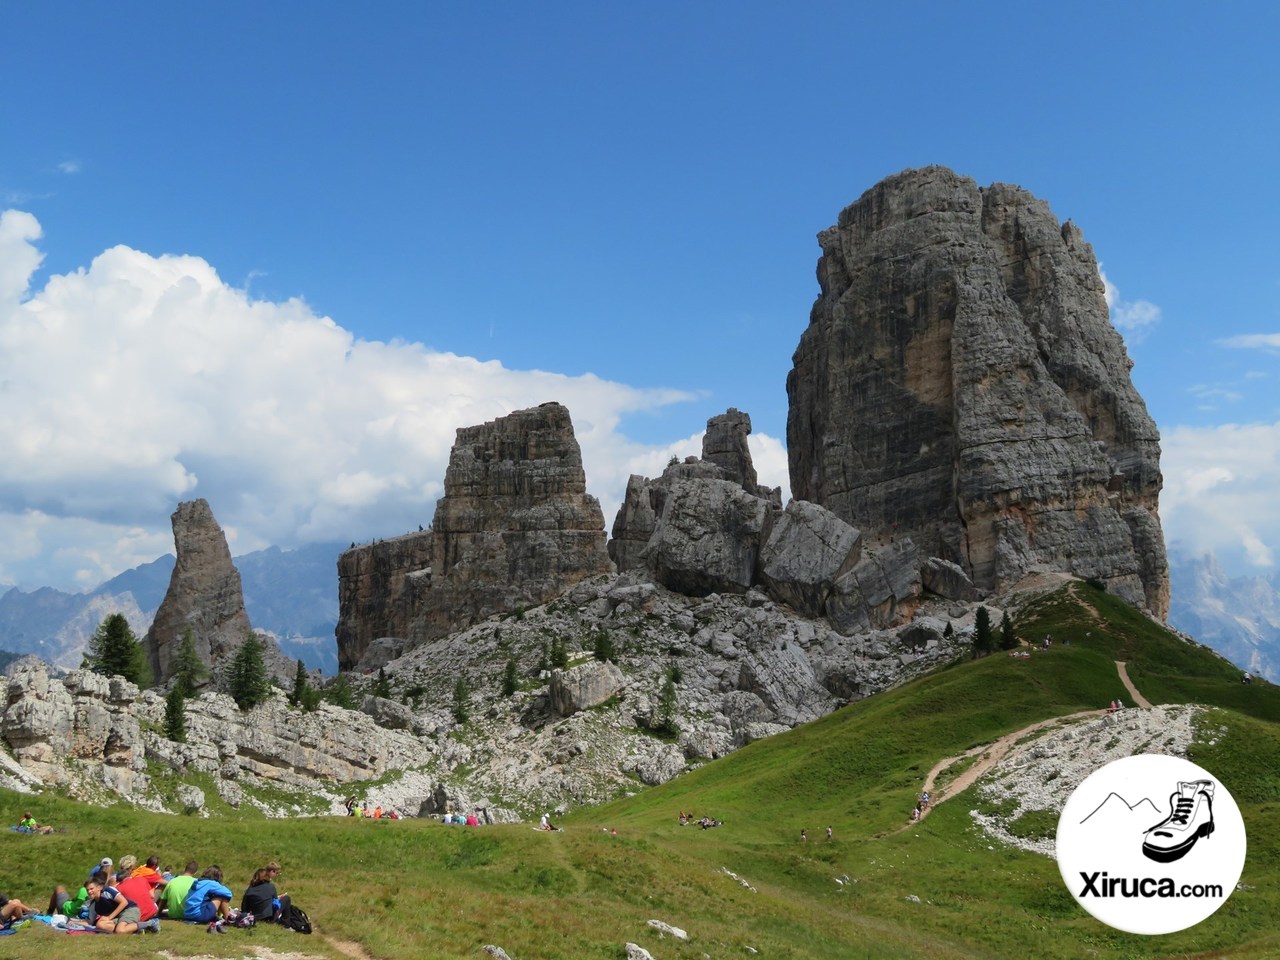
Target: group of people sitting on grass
[
  {"x": 355, "y": 809},
  {"x": 132, "y": 898},
  {"x": 706, "y": 823},
  {"x": 471, "y": 819}
]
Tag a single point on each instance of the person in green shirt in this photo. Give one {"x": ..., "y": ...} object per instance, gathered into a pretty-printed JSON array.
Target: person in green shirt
[
  {"x": 29, "y": 824},
  {"x": 65, "y": 904},
  {"x": 176, "y": 890}
]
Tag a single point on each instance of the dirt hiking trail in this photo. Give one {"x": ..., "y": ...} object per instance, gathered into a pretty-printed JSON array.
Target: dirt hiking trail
[{"x": 992, "y": 753}]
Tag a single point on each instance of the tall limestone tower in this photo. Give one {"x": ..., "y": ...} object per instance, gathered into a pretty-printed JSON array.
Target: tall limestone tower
[{"x": 960, "y": 383}]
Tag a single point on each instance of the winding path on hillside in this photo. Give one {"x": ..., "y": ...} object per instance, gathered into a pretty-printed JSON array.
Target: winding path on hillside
[
  {"x": 1138, "y": 698},
  {"x": 990, "y": 754}
]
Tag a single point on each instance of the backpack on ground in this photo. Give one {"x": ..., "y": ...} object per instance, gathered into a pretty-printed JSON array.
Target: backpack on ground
[{"x": 295, "y": 918}]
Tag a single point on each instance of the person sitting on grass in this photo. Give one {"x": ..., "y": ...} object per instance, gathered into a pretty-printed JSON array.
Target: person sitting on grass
[
  {"x": 64, "y": 903},
  {"x": 28, "y": 824},
  {"x": 176, "y": 890},
  {"x": 149, "y": 872},
  {"x": 261, "y": 898},
  {"x": 111, "y": 910},
  {"x": 140, "y": 890},
  {"x": 12, "y": 911},
  {"x": 208, "y": 900}
]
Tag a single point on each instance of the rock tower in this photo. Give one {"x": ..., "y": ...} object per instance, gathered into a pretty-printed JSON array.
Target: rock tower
[
  {"x": 515, "y": 528},
  {"x": 960, "y": 384}
]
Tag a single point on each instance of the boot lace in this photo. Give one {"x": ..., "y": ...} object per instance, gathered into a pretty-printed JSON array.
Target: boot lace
[{"x": 1182, "y": 810}]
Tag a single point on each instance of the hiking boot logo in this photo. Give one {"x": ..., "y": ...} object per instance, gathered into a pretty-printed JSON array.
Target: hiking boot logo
[{"x": 1190, "y": 818}]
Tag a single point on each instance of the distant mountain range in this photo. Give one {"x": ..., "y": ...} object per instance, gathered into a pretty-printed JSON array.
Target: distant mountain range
[
  {"x": 1237, "y": 616},
  {"x": 292, "y": 593}
]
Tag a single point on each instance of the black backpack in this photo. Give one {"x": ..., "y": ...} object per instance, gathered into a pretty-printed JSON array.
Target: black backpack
[{"x": 295, "y": 918}]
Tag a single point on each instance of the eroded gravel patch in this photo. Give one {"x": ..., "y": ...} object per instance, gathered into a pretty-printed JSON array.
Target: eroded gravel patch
[{"x": 1043, "y": 773}]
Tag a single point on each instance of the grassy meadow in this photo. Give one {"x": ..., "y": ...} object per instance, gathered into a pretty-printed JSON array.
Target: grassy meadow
[{"x": 938, "y": 889}]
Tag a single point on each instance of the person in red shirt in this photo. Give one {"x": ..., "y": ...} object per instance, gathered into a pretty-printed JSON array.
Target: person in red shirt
[{"x": 138, "y": 891}]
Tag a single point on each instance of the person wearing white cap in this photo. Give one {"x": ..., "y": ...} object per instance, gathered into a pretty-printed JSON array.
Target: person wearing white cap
[{"x": 104, "y": 864}]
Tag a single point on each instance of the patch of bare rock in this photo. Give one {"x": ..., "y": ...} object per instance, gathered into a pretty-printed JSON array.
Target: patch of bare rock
[{"x": 1041, "y": 774}]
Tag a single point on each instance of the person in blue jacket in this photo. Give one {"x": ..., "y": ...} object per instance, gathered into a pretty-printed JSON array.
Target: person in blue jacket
[{"x": 208, "y": 900}]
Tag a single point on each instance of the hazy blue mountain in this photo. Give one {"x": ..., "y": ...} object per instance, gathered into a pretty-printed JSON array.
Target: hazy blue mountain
[
  {"x": 291, "y": 593},
  {"x": 1237, "y": 616}
]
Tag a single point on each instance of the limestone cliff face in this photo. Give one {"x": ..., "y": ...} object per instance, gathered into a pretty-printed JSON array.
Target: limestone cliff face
[
  {"x": 960, "y": 384},
  {"x": 376, "y": 589},
  {"x": 515, "y": 528}
]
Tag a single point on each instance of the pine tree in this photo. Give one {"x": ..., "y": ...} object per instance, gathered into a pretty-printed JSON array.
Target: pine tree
[
  {"x": 559, "y": 655},
  {"x": 114, "y": 651},
  {"x": 948, "y": 631},
  {"x": 602, "y": 648},
  {"x": 510, "y": 678},
  {"x": 248, "y": 683},
  {"x": 382, "y": 686},
  {"x": 175, "y": 719},
  {"x": 461, "y": 701},
  {"x": 188, "y": 671},
  {"x": 300, "y": 686},
  {"x": 339, "y": 693},
  {"x": 983, "y": 639},
  {"x": 1008, "y": 636}
]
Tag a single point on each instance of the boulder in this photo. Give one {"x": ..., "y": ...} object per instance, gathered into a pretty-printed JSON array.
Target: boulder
[
  {"x": 808, "y": 549},
  {"x": 707, "y": 538},
  {"x": 947, "y": 580},
  {"x": 584, "y": 686}
]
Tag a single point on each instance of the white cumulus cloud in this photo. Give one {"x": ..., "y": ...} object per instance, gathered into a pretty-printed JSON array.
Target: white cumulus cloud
[
  {"x": 1253, "y": 341},
  {"x": 1133, "y": 318},
  {"x": 1220, "y": 492},
  {"x": 143, "y": 380}
]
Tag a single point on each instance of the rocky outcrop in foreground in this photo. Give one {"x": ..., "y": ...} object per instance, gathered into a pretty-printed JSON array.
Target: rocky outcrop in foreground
[
  {"x": 515, "y": 528},
  {"x": 960, "y": 384}
]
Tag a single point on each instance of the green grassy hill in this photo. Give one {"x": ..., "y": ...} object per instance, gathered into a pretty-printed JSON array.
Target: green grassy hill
[{"x": 939, "y": 889}]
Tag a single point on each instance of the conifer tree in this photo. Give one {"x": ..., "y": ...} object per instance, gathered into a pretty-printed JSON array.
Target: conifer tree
[
  {"x": 248, "y": 683},
  {"x": 114, "y": 651},
  {"x": 175, "y": 719},
  {"x": 602, "y": 648},
  {"x": 461, "y": 701},
  {"x": 510, "y": 677},
  {"x": 983, "y": 639},
  {"x": 382, "y": 686},
  {"x": 559, "y": 654},
  {"x": 300, "y": 686},
  {"x": 188, "y": 671},
  {"x": 339, "y": 693},
  {"x": 1008, "y": 636}
]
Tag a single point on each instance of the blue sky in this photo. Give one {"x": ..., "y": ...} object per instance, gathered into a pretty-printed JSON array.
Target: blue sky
[{"x": 274, "y": 254}]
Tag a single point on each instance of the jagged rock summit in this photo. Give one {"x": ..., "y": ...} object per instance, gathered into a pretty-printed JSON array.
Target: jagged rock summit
[
  {"x": 960, "y": 384},
  {"x": 515, "y": 528}
]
